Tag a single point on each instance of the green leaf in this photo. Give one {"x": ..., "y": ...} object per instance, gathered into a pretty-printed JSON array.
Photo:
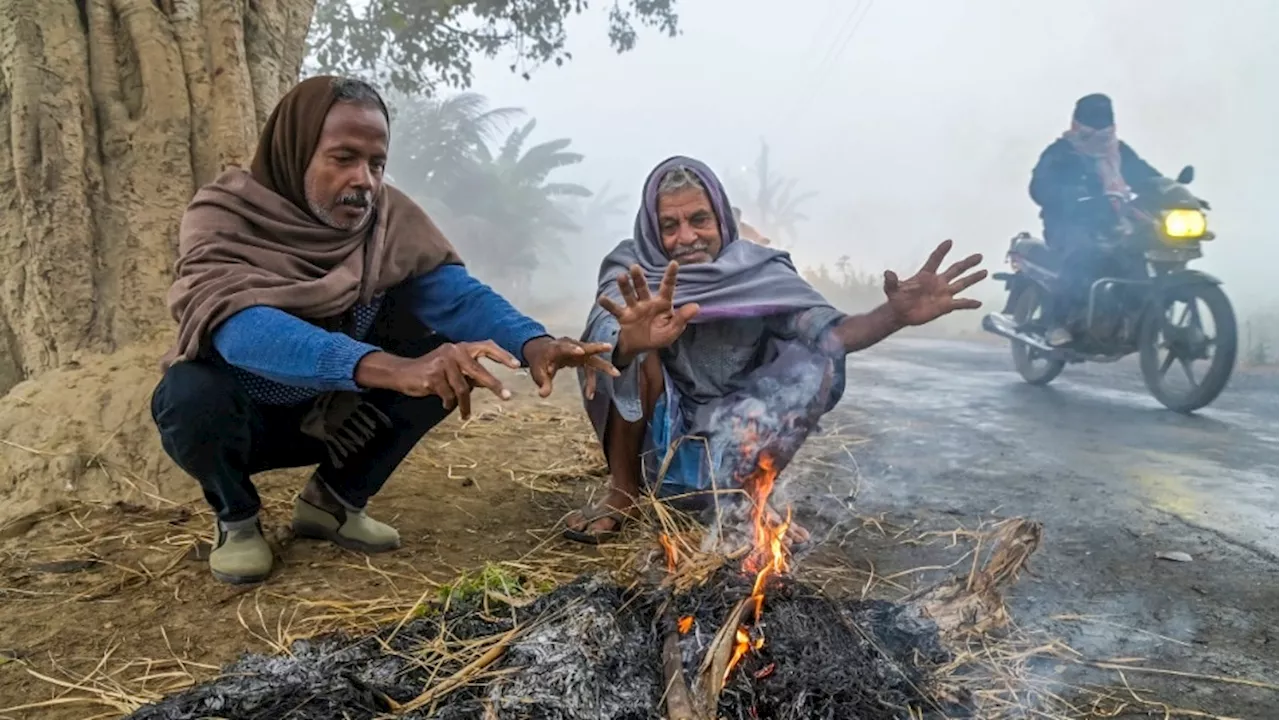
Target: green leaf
[{"x": 416, "y": 47}]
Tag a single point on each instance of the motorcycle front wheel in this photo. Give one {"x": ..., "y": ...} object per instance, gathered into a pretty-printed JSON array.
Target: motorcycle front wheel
[
  {"x": 1191, "y": 323},
  {"x": 1032, "y": 364}
]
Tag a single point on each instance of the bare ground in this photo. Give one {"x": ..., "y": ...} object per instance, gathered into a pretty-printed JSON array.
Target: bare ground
[
  {"x": 81, "y": 582},
  {"x": 105, "y": 606}
]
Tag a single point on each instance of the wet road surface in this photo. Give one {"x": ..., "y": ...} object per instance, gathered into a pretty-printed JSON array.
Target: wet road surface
[{"x": 956, "y": 436}]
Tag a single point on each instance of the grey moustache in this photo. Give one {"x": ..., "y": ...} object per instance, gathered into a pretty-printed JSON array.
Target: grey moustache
[{"x": 700, "y": 247}]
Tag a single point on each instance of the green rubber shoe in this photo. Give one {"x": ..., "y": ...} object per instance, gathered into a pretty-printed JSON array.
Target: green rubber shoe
[
  {"x": 240, "y": 555},
  {"x": 346, "y": 528}
]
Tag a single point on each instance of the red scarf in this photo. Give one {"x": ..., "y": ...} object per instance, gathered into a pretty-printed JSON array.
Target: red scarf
[{"x": 1104, "y": 148}]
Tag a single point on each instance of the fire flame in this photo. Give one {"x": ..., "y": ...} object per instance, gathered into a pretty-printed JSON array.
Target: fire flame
[
  {"x": 669, "y": 548},
  {"x": 741, "y": 645},
  {"x": 685, "y": 624},
  {"x": 768, "y": 556}
]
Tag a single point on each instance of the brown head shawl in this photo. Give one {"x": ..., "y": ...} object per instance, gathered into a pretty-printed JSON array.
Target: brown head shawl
[{"x": 249, "y": 238}]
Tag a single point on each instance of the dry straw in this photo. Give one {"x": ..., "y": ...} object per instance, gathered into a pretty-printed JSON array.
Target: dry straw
[{"x": 999, "y": 664}]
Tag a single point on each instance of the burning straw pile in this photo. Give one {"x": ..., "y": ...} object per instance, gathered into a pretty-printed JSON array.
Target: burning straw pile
[{"x": 693, "y": 635}]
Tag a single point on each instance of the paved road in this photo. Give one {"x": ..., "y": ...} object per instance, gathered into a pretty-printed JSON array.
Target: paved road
[
  {"x": 1095, "y": 431},
  {"x": 1114, "y": 477}
]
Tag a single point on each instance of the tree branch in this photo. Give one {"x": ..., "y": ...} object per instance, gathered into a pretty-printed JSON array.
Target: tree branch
[
  {"x": 680, "y": 702},
  {"x": 418, "y": 46}
]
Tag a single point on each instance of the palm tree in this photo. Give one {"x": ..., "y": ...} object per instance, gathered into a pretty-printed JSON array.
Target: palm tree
[
  {"x": 521, "y": 199},
  {"x": 512, "y": 187},
  {"x": 530, "y": 168},
  {"x": 599, "y": 213},
  {"x": 775, "y": 204},
  {"x": 439, "y": 141},
  {"x": 499, "y": 205}
]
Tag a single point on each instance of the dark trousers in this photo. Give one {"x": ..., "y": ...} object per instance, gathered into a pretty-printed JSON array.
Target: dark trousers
[
  {"x": 1080, "y": 261},
  {"x": 213, "y": 430}
]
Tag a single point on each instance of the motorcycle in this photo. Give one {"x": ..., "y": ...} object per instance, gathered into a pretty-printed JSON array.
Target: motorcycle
[{"x": 1147, "y": 301}]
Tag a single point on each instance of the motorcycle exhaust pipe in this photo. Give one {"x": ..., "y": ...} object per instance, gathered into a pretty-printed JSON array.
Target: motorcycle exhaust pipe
[{"x": 1003, "y": 326}]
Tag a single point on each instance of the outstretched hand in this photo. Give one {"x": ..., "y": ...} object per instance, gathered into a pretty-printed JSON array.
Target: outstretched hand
[
  {"x": 928, "y": 295},
  {"x": 546, "y": 356},
  {"x": 647, "y": 322},
  {"x": 450, "y": 372}
]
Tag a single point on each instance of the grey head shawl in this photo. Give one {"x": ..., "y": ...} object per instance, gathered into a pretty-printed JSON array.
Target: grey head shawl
[{"x": 745, "y": 280}]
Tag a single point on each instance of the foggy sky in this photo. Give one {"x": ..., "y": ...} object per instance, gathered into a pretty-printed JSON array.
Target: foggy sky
[{"x": 926, "y": 123}]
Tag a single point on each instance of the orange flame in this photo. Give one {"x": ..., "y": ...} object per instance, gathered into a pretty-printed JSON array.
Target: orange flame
[
  {"x": 685, "y": 624},
  {"x": 767, "y": 558},
  {"x": 743, "y": 644},
  {"x": 740, "y": 648},
  {"x": 669, "y": 548}
]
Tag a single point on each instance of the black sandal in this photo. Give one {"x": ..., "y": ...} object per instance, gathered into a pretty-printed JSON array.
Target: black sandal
[{"x": 592, "y": 517}]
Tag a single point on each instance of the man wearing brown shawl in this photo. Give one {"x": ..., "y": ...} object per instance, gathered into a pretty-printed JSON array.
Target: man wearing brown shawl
[{"x": 323, "y": 318}]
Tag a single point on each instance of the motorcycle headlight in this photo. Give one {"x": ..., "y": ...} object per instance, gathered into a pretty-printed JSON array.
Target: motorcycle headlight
[{"x": 1185, "y": 224}]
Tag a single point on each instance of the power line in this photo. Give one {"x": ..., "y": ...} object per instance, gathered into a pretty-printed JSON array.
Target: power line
[
  {"x": 844, "y": 37},
  {"x": 781, "y": 111},
  {"x": 828, "y": 21},
  {"x": 850, "y": 23},
  {"x": 825, "y": 22},
  {"x": 849, "y": 38}
]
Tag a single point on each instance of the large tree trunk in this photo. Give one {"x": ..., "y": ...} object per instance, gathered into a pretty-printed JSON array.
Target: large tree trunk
[{"x": 112, "y": 113}]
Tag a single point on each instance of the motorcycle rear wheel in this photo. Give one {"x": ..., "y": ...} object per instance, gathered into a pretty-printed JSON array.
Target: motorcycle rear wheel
[
  {"x": 1032, "y": 365},
  {"x": 1185, "y": 344}
]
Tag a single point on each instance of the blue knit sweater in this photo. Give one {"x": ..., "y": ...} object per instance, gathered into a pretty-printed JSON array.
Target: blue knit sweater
[{"x": 282, "y": 359}]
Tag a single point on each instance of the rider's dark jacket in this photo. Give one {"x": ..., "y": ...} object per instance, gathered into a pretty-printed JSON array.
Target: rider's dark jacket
[{"x": 1063, "y": 176}]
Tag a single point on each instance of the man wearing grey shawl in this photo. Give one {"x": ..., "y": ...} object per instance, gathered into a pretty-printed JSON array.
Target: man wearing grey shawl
[{"x": 734, "y": 357}]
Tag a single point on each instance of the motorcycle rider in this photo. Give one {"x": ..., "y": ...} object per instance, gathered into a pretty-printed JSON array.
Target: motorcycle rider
[{"x": 1079, "y": 184}]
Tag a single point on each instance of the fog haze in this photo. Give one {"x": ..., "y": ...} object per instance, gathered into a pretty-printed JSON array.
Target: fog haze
[{"x": 919, "y": 120}]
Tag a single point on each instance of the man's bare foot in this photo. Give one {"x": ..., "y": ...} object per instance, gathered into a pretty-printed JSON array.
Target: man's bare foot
[{"x": 591, "y": 524}]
